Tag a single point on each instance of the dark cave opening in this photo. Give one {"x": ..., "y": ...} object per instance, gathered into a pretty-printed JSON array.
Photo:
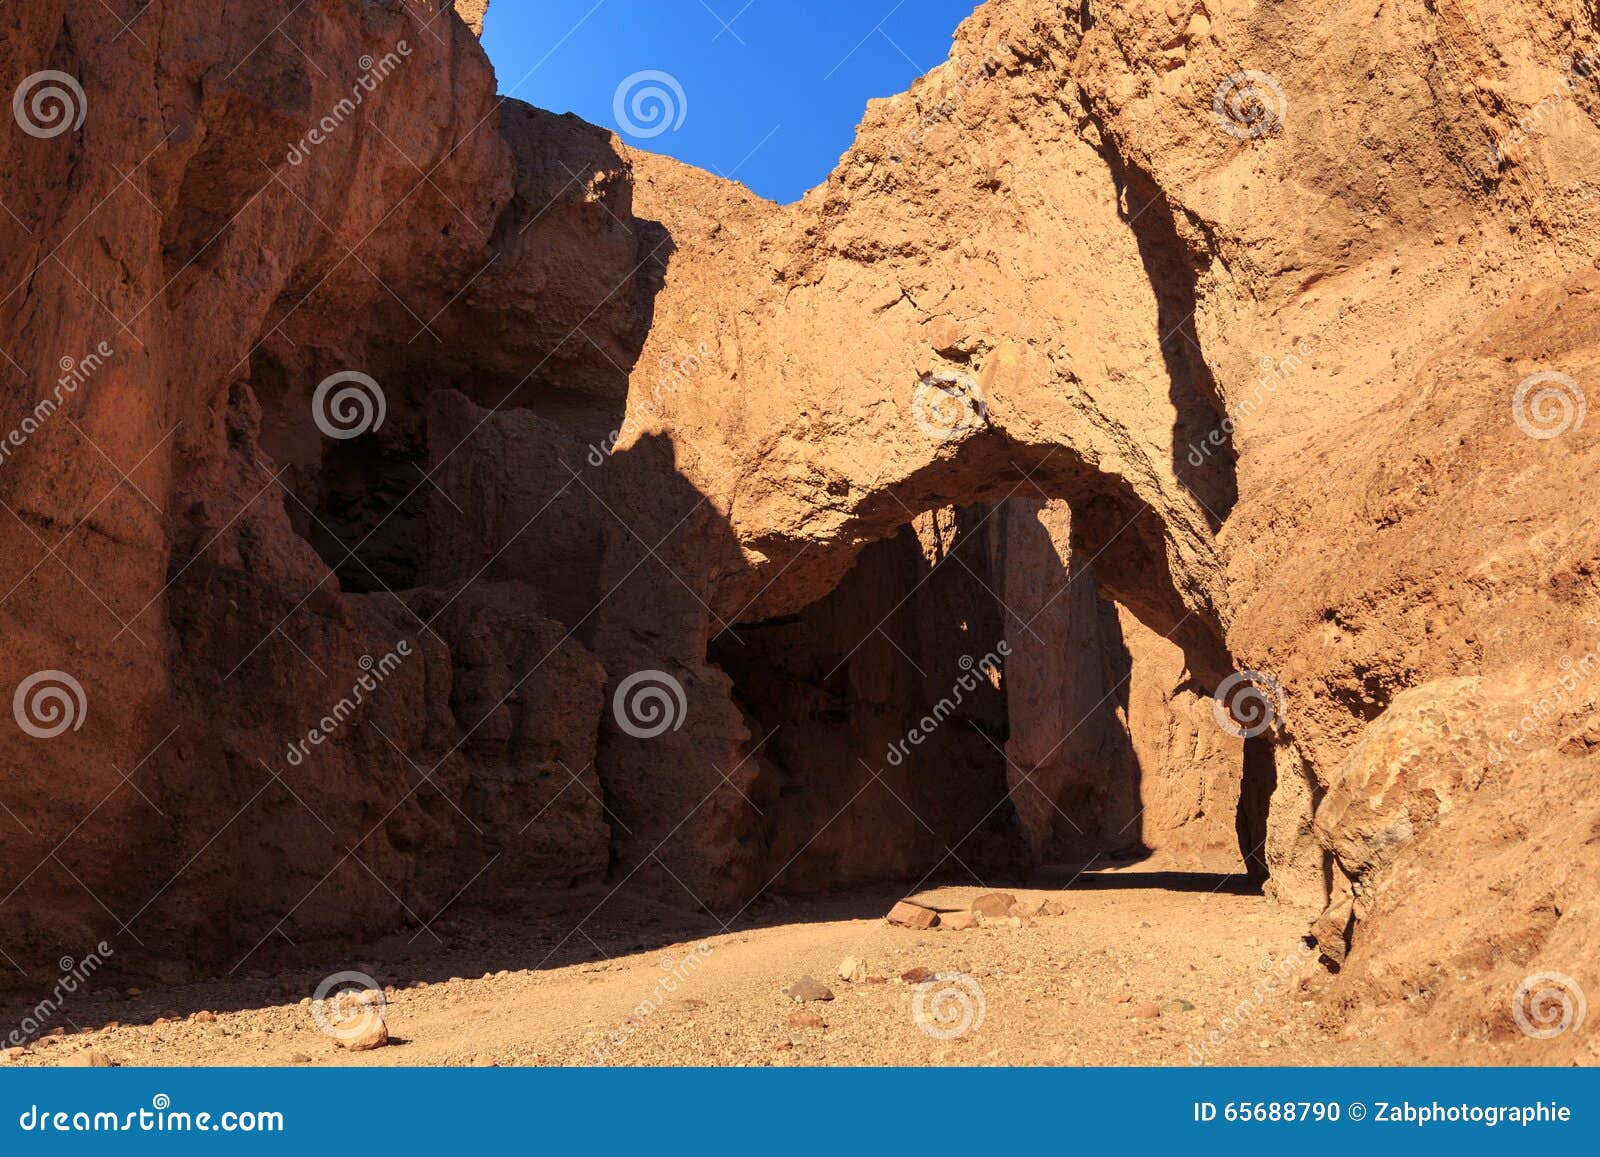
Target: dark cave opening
[
  {"x": 351, "y": 455},
  {"x": 959, "y": 707},
  {"x": 887, "y": 713},
  {"x": 371, "y": 507}
]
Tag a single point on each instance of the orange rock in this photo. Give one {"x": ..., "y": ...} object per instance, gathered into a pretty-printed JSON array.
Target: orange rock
[
  {"x": 993, "y": 904},
  {"x": 372, "y": 1036},
  {"x": 909, "y": 915}
]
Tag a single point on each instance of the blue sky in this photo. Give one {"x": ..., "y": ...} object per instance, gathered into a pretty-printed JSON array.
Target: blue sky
[{"x": 771, "y": 90}]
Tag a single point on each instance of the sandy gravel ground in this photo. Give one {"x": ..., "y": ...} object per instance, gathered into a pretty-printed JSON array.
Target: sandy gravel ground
[{"x": 1142, "y": 967}]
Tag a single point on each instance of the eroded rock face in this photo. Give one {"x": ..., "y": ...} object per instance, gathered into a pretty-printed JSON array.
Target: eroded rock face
[
  {"x": 473, "y": 13},
  {"x": 1061, "y": 331},
  {"x": 255, "y": 754}
]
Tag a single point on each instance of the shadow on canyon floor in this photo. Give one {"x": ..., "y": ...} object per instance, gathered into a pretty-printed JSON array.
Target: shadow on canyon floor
[{"x": 476, "y": 944}]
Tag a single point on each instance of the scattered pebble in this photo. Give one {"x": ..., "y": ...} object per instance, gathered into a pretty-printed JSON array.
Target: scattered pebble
[
  {"x": 375, "y": 1037},
  {"x": 807, "y": 989},
  {"x": 994, "y": 904},
  {"x": 909, "y": 915}
]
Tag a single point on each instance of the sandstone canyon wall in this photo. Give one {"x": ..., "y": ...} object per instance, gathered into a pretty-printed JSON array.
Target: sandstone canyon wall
[{"x": 1064, "y": 355}]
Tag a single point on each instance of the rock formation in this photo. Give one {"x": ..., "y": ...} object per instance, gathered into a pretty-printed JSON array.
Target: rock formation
[{"x": 415, "y": 498}]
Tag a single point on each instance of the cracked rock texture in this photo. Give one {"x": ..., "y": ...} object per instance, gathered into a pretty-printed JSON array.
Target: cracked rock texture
[{"x": 1051, "y": 359}]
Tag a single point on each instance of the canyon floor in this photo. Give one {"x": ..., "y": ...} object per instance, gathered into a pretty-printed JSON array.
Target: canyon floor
[{"x": 1146, "y": 962}]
